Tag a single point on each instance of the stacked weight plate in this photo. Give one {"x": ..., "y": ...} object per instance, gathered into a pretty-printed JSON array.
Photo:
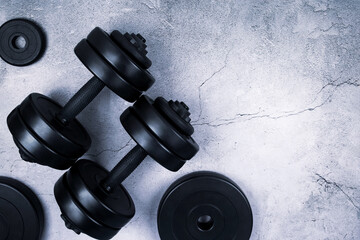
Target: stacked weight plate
[
  {"x": 41, "y": 138},
  {"x": 162, "y": 130}
]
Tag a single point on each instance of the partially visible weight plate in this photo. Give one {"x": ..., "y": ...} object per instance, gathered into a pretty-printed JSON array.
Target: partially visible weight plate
[
  {"x": 21, "y": 214},
  {"x": 204, "y": 206}
]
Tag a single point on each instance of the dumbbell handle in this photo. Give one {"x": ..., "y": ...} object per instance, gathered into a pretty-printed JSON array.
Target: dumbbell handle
[
  {"x": 80, "y": 100},
  {"x": 124, "y": 168}
]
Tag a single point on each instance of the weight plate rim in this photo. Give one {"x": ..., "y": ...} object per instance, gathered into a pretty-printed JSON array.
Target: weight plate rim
[
  {"x": 198, "y": 175},
  {"x": 39, "y": 48},
  {"x": 119, "y": 60},
  {"x": 30, "y": 196}
]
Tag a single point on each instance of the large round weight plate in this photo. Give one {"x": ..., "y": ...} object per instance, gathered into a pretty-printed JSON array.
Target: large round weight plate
[
  {"x": 21, "y": 214},
  {"x": 75, "y": 217},
  {"x": 18, "y": 53},
  {"x": 39, "y": 114},
  {"x": 124, "y": 65},
  {"x": 148, "y": 141},
  {"x": 181, "y": 145},
  {"x": 103, "y": 70},
  {"x": 204, "y": 206},
  {"x": 113, "y": 209},
  {"x": 32, "y": 146}
]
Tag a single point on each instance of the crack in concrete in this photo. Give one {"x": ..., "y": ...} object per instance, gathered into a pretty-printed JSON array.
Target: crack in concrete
[
  {"x": 207, "y": 80},
  {"x": 349, "y": 82},
  {"x": 256, "y": 116},
  {"x": 313, "y": 8},
  {"x": 322, "y": 180},
  {"x": 235, "y": 119},
  {"x": 156, "y": 7},
  {"x": 13, "y": 165},
  {"x": 338, "y": 26},
  {"x": 225, "y": 121},
  {"x": 111, "y": 150}
]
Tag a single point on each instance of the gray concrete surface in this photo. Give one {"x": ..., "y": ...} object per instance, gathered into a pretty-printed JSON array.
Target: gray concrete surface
[{"x": 274, "y": 91}]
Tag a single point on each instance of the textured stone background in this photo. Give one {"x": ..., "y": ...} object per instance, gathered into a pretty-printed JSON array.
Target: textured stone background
[{"x": 274, "y": 91}]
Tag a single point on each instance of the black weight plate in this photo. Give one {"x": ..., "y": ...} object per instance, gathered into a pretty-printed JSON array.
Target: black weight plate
[
  {"x": 33, "y": 37},
  {"x": 30, "y": 143},
  {"x": 121, "y": 40},
  {"x": 163, "y": 106},
  {"x": 24, "y": 154},
  {"x": 204, "y": 206},
  {"x": 113, "y": 209},
  {"x": 181, "y": 145},
  {"x": 21, "y": 213},
  {"x": 75, "y": 217},
  {"x": 38, "y": 113},
  {"x": 120, "y": 61},
  {"x": 102, "y": 70},
  {"x": 147, "y": 140}
]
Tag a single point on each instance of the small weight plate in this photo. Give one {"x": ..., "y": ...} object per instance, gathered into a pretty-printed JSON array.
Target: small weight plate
[
  {"x": 39, "y": 114},
  {"x": 75, "y": 217},
  {"x": 181, "y": 145},
  {"x": 113, "y": 209},
  {"x": 120, "y": 61},
  {"x": 121, "y": 40},
  {"x": 147, "y": 140},
  {"x": 21, "y": 213},
  {"x": 30, "y": 143},
  {"x": 11, "y": 32},
  {"x": 204, "y": 206},
  {"x": 102, "y": 70},
  {"x": 163, "y": 106}
]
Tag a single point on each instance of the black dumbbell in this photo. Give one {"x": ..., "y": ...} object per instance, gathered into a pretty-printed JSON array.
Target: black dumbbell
[
  {"x": 92, "y": 200},
  {"x": 49, "y": 134}
]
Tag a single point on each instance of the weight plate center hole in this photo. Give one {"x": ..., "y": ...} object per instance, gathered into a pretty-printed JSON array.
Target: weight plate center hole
[
  {"x": 18, "y": 42},
  {"x": 205, "y": 223}
]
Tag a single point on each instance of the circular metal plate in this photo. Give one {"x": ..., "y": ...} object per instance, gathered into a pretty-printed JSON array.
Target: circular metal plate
[
  {"x": 163, "y": 106},
  {"x": 103, "y": 70},
  {"x": 21, "y": 54},
  {"x": 119, "y": 60},
  {"x": 113, "y": 209},
  {"x": 39, "y": 114},
  {"x": 180, "y": 144},
  {"x": 148, "y": 141},
  {"x": 32, "y": 148},
  {"x": 75, "y": 217},
  {"x": 42, "y": 139},
  {"x": 204, "y": 206},
  {"x": 21, "y": 214}
]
